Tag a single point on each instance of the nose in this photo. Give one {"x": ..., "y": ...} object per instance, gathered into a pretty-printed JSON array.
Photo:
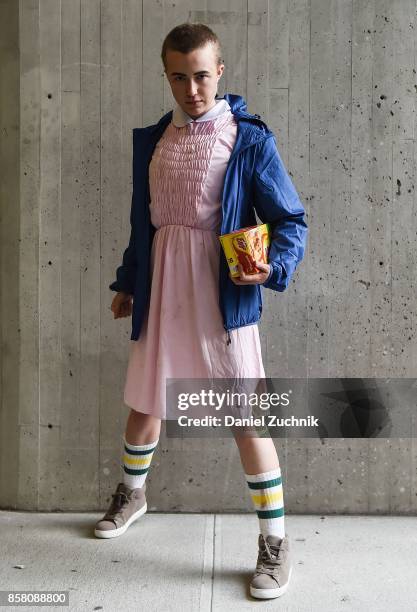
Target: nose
[{"x": 191, "y": 88}]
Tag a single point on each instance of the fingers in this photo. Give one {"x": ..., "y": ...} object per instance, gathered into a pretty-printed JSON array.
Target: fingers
[
  {"x": 125, "y": 309},
  {"x": 122, "y": 310},
  {"x": 251, "y": 279}
]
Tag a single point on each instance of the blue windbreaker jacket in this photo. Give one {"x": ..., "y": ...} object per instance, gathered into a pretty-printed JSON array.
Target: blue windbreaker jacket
[{"x": 255, "y": 180}]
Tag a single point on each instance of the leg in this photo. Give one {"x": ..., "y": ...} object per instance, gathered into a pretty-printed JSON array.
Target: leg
[
  {"x": 129, "y": 501},
  {"x": 140, "y": 441},
  {"x": 142, "y": 428},
  {"x": 263, "y": 476},
  {"x": 256, "y": 454}
]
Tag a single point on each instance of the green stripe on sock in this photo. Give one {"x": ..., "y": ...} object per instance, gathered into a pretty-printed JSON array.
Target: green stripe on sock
[
  {"x": 135, "y": 472},
  {"x": 140, "y": 452},
  {"x": 266, "y": 514},
  {"x": 266, "y": 484}
]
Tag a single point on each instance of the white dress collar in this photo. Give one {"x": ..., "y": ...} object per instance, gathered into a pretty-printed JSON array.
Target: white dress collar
[{"x": 181, "y": 118}]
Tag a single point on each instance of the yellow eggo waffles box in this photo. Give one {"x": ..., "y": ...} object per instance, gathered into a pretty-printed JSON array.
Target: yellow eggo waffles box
[{"x": 245, "y": 246}]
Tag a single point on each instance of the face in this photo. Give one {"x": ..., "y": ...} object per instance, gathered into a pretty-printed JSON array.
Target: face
[{"x": 193, "y": 78}]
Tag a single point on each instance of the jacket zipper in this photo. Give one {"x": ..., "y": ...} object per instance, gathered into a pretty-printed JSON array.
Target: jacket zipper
[
  {"x": 234, "y": 154},
  {"x": 231, "y": 158}
]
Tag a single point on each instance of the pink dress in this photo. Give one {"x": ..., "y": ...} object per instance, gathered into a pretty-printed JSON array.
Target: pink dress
[{"x": 183, "y": 334}]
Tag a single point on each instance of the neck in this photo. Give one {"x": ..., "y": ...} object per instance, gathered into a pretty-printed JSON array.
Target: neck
[{"x": 206, "y": 111}]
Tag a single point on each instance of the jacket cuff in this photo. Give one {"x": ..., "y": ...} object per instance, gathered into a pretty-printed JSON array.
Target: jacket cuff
[
  {"x": 271, "y": 270},
  {"x": 116, "y": 287},
  {"x": 276, "y": 279}
]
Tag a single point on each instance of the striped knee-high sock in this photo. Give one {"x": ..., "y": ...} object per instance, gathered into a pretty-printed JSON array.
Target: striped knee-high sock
[
  {"x": 267, "y": 497},
  {"x": 136, "y": 462}
]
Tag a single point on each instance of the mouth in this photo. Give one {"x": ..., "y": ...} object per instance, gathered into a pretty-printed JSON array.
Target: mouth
[{"x": 194, "y": 103}]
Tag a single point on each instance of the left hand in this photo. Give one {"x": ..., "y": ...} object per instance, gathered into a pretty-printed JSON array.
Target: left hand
[{"x": 252, "y": 279}]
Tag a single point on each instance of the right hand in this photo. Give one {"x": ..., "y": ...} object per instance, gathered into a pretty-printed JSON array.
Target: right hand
[{"x": 122, "y": 305}]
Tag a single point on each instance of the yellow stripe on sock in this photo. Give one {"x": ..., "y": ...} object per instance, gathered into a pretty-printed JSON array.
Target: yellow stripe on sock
[
  {"x": 137, "y": 462},
  {"x": 267, "y": 498}
]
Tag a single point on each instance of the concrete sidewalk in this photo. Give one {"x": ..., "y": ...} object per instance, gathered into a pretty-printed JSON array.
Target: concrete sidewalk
[{"x": 202, "y": 562}]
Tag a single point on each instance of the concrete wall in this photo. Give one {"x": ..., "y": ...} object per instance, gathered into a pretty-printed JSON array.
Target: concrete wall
[
  {"x": 10, "y": 277},
  {"x": 336, "y": 81}
]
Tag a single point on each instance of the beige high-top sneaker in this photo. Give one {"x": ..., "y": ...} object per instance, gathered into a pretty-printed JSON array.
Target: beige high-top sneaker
[
  {"x": 126, "y": 506},
  {"x": 273, "y": 569}
]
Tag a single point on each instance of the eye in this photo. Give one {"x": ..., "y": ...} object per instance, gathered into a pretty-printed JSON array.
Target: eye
[{"x": 200, "y": 76}]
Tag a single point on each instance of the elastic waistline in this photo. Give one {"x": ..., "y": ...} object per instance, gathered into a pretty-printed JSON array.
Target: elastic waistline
[{"x": 188, "y": 227}]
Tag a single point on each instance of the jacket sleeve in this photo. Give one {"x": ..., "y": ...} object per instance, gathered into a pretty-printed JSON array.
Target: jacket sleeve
[
  {"x": 126, "y": 273},
  {"x": 276, "y": 202}
]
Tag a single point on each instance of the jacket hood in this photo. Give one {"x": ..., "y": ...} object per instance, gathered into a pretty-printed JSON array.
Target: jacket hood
[{"x": 236, "y": 103}]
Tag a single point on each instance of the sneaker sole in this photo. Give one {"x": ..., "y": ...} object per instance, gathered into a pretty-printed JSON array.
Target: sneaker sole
[
  {"x": 114, "y": 533},
  {"x": 271, "y": 593}
]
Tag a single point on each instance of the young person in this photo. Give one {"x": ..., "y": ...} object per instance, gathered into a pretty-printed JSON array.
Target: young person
[{"x": 201, "y": 171}]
